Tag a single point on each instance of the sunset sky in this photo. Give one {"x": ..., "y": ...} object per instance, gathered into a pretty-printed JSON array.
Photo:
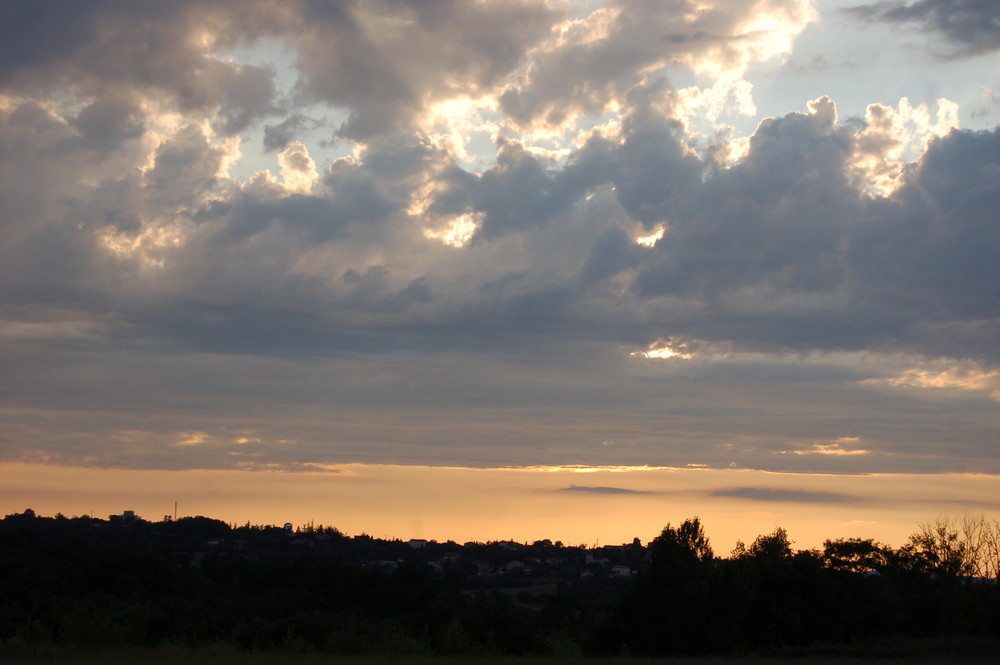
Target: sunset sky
[{"x": 503, "y": 270}]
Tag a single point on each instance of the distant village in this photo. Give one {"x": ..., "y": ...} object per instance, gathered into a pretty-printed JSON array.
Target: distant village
[{"x": 540, "y": 567}]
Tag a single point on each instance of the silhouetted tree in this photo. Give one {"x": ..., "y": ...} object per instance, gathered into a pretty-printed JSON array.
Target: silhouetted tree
[
  {"x": 855, "y": 555},
  {"x": 670, "y": 609},
  {"x": 936, "y": 549}
]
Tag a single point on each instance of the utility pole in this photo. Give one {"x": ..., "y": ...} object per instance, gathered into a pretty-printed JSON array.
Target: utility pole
[{"x": 175, "y": 510}]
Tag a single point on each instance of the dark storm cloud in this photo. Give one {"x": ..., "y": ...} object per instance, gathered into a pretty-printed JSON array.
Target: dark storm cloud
[
  {"x": 792, "y": 496},
  {"x": 969, "y": 27}
]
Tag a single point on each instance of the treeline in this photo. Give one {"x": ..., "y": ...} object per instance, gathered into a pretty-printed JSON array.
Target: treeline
[
  {"x": 766, "y": 596},
  {"x": 200, "y": 583}
]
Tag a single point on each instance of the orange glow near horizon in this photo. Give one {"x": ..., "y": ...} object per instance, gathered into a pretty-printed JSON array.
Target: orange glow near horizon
[{"x": 605, "y": 506}]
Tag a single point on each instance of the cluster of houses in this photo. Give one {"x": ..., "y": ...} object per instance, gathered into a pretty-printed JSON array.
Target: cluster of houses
[
  {"x": 503, "y": 563},
  {"x": 587, "y": 564},
  {"x": 493, "y": 562}
]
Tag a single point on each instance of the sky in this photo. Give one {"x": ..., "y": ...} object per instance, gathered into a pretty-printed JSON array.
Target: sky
[{"x": 503, "y": 269}]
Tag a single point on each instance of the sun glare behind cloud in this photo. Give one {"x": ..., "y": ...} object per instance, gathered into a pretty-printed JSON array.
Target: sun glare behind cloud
[{"x": 459, "y": 232}]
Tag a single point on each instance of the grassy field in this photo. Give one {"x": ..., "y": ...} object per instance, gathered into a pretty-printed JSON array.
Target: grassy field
[
  {"x": 136, "y": 658},
  {"x": 184, "y": 657}
]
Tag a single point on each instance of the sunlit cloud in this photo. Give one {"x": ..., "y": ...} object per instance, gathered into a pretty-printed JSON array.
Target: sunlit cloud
[
  {"x": 229, "y": 155},
  {"x": 893, "y": 137},
  {"x": 147, "y": 245},
  {"x": 961, "y": 377},
  {"x": 726, "y": 95},
  {"x": 193, "y": 439},
  {"x": 663, "y": 349},
  {"x": 459, "y": 232},
  {"x": 836, "y": 447},
  {"x": 651, "y": 239},
  {"x": 595, "y": 27},
  {"x": 764, "y": 33},
  {"x": 453, "y": 124},
  {"x": 966, "y": 379},
  {"x": 298, "y": 170}
]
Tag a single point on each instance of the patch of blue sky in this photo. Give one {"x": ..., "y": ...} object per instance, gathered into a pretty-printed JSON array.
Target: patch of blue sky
[
  {"x": 319, "y": 135},
  {"x": 858, "y": 63},
  {"x": 480, "y": 152}
]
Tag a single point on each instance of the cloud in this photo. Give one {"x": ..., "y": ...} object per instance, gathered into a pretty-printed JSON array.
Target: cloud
[
  {"x": 832, "y": 448},
  {"x": 104, "y": 48},
  {"x": 600, "y": 490},
  {"x": 790, "y": 496},
  {"x": 596, "y": 61},
  {"x": 277, "y": 137},
  {"x": 927, "y": 253},
  {"x": 508, "y": 300},
  {"x": 968, "y": 27},
  {"x": 517, "y": 192},
  {"x": 892, "y": 137},
  {"x": 298, "y": 170},
  {"x": 386, "y": 62}
]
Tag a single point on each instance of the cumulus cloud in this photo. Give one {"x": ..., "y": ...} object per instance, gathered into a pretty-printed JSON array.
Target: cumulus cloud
[
  {"x": 385, "y": 62},
  {"x": 893, "y": 138},
  {"x": 600, "y": 273},
  {"x": 597, "y": 60},
  {"x": 155, "y": 51}
]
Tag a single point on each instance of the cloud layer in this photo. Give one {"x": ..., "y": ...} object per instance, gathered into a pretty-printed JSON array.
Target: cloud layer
[
  {"x": 516, "y": 242},
  {"x": 968, "y": 27}
]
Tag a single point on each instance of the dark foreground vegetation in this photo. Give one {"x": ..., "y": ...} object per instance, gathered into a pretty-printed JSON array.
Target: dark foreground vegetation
[
  {"x": 936, "y": 654},
  {"x": 178, "y": 590}
]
